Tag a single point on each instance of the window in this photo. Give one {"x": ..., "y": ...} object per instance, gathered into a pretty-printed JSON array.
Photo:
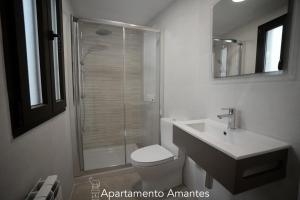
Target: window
[
  {"x": 33, "y": 51},
  {"x": 272, "y": 49},
  {"x": 271, "y": 41}
]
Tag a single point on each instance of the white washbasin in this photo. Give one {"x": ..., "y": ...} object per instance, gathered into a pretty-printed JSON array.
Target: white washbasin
[{"x": 237, "y": 143}]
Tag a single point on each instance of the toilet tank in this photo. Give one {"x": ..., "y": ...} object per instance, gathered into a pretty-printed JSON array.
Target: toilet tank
[{"x": 166, "y": 135}]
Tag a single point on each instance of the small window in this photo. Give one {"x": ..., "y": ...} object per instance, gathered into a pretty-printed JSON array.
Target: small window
[
  {"x": 55, "y": 50},
  {"x": 273, "y": 49},
  {"x": 271, "y": 39},
  {"x": 33, "y": 51}
]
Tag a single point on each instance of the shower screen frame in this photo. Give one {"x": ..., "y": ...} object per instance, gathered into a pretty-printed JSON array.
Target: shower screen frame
[{"x": 77, "y": 87}]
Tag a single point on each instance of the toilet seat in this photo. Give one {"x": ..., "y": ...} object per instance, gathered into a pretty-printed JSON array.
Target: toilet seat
[{"x": 151, "y": 156}]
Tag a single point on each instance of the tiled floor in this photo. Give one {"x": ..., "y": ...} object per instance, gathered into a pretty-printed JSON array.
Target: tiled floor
[{"x": 119, "y": 180}]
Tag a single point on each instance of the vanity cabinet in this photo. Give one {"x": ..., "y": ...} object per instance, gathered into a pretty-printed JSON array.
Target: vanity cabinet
[{"x": 236, "y": 175}]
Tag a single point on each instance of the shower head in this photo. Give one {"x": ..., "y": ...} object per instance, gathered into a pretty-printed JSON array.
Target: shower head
[{"x": 103, "y": 32}]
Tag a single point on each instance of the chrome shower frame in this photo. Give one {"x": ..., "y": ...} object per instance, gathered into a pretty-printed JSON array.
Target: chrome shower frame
[{"x": 77, "y": 79}]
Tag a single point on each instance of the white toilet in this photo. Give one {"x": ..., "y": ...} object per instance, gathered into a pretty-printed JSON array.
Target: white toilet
[{"x": 160, "y": 166}]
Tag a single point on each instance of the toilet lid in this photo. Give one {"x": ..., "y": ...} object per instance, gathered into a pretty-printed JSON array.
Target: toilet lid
[{"x": 151, "y": 155}]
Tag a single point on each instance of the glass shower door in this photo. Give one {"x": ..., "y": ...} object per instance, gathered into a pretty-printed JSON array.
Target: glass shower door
[
  {"x": 141, "y": 96},
  {"x": 117, "y": 92},
  {"x": 101, "y": 93}
]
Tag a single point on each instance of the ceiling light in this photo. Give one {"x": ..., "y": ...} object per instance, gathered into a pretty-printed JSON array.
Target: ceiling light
[{"x": 238, "y": 1}]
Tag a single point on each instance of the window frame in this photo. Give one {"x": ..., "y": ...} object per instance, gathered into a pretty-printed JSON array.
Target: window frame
[
  {"x": 58, "y": 106},
  {"x": 24, "y": 116},
  {"x": 262, "y": 38}
]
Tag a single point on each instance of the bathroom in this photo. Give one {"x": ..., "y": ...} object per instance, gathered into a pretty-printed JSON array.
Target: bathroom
[{"x": 139, "y": 78}]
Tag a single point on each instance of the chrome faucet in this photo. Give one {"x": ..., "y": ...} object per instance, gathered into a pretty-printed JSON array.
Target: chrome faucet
[{"x": 230, "y": 116}]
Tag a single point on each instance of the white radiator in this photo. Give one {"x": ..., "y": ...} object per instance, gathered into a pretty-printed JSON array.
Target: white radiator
[{"x": 48, "y": 189}]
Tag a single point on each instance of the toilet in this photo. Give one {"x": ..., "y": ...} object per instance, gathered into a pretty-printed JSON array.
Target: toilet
[{"x": 160, "y": 166}]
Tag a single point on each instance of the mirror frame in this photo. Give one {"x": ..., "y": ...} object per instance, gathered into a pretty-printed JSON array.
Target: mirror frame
[{"x": 286, "y": 49}]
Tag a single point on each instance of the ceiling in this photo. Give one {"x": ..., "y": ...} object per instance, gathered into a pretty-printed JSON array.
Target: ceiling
[
  {"x": 139, "y": 12},
  {"x": 229, "y": 15}
]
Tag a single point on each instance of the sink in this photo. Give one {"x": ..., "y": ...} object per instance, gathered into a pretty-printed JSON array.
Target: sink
[
  {"x": 239, "y": 159},
  {"x": 237, "y": 143},
  {"x": 205, "y": 128}
]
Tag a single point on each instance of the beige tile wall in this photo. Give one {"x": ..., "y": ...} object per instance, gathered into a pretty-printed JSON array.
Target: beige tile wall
[{"x": 103, "y": 86}]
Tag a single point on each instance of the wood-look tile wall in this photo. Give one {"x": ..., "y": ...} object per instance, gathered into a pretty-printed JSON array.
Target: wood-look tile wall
[{"x": 102, "y": 114}]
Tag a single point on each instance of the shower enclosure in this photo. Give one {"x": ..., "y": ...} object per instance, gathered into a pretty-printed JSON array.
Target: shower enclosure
[
  {"x": 116, "y": 90},
  {"x": 227, "y": 57}
]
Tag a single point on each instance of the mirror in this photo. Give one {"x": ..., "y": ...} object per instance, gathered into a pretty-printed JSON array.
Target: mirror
[{"x": 250, "y": 37}]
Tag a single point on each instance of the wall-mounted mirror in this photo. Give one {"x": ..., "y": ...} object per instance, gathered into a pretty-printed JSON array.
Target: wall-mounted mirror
[{"x": 250, "y": 37}]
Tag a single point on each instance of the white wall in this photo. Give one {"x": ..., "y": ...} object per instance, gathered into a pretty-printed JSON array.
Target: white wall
[
  {"x": 266, "y": 105},
  {"x": 42, "y": 151},
  {"x": 182, "y": 74}
]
